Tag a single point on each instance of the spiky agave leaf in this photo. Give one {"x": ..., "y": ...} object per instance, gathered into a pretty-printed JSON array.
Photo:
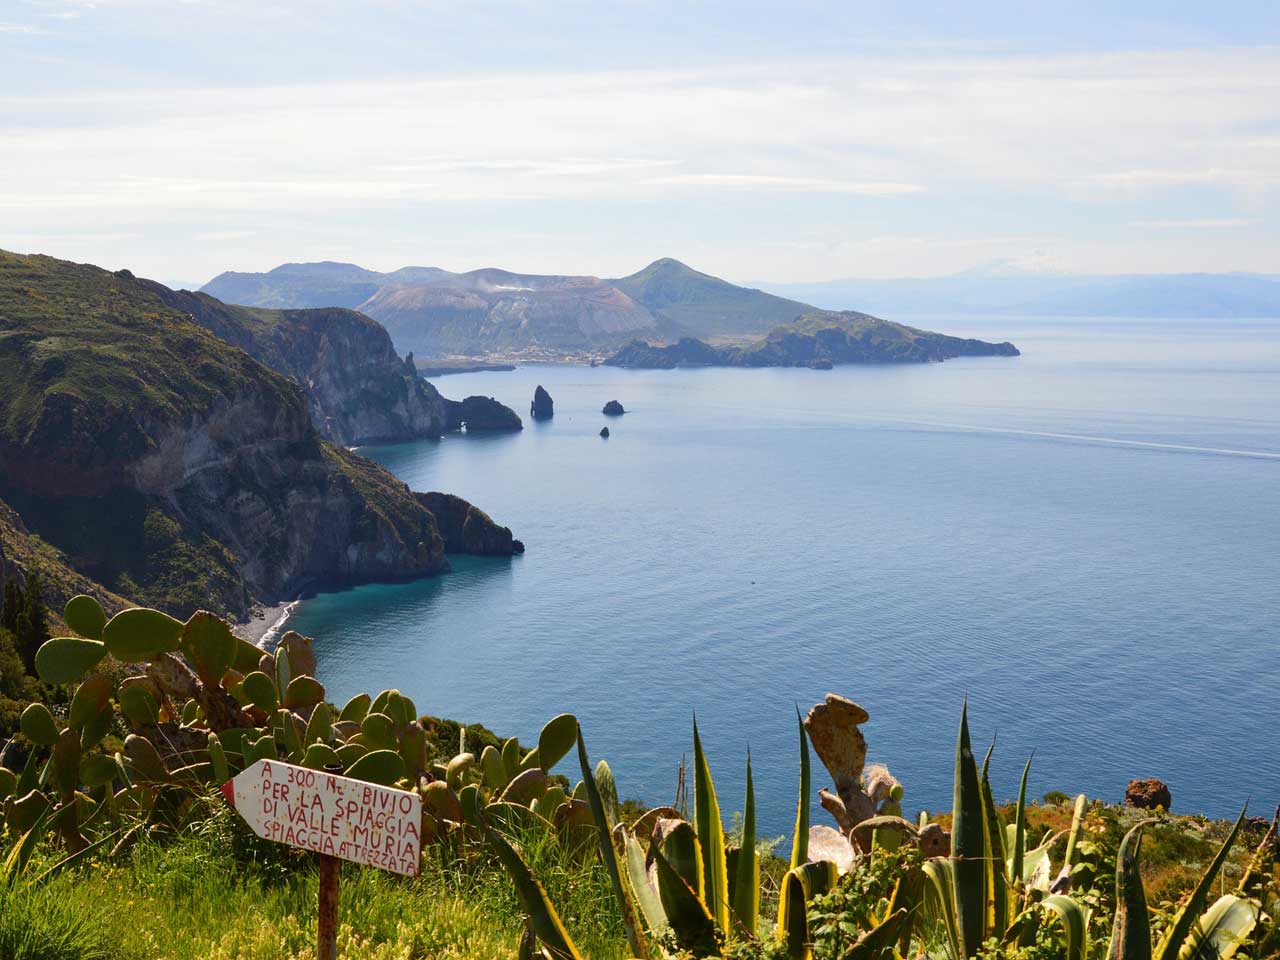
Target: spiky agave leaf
[
  {"x": 793, "y": 920},
  {"x": 1075, "y": 920},
  {"x": 1020, "y": 832},
  {"x": 691, "y": 920},
  {"x": 604, "y": 832},
  {"x": 800, "y": 842},
  {"x": 1175, "y": 937},
  {"x": 940, "y": 899},
  {"x": 646, "y": 896},
  {"x": 969, "y": 845},
  {"x": 710, "y": 829},
  {"x": 543, "y": 919},
  {"x": 878, "y": 942},
  {"x": 1221, "y": 930},
  {"x": 1131, "y": 927},
  {"x": 997, "y": 883},
  {"x": 746, "y": 887}
]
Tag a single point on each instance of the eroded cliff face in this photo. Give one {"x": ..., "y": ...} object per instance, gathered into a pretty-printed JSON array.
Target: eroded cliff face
[
  {"x": 358, "y": 389},
  {"x": 172, "y": 467},
  {"x": 290, "y": 507},
  {"x": 468, "y": 529}
]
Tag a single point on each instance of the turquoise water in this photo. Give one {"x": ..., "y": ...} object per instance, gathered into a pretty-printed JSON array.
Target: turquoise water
[{"x": 1084, "y": 540}]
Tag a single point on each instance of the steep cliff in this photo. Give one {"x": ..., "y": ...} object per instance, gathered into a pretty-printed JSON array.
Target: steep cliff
[
  {"x": 468, "y": 529},
  {"x": 172, "y": 467},
  {"x": 358, "y": 389}
]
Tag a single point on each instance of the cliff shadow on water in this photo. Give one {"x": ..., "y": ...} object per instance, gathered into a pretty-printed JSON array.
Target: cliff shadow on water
[{"x": 388, "y": 607}]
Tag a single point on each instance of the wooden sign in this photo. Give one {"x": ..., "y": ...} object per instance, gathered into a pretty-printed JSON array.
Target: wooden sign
[{"x": 333, "y": 815}]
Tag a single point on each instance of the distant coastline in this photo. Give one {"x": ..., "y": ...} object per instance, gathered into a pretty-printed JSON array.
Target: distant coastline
[{"x": 442, "y": 368}]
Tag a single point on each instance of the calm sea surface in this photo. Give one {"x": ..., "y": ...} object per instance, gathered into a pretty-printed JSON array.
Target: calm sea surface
[{"x": 1085, "y": 540}]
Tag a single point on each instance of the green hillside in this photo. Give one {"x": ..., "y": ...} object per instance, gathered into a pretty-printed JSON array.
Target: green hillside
[{"x": 170, "y": 466}]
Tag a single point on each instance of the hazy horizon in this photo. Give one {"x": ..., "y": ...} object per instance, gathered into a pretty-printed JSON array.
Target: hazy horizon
[{"x": 754, "y": 142}]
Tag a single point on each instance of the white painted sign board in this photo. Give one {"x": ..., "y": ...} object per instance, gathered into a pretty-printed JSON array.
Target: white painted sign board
[{"x": 332, "y": 815}]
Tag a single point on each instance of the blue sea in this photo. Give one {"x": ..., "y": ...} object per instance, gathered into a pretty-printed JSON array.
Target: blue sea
[{"x": 1084, "y": 541}]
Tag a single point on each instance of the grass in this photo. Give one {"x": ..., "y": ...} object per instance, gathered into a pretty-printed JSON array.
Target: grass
[{"x": 216, "y": 891}]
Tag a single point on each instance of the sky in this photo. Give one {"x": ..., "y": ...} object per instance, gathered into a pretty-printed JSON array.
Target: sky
[{"x": 756, "y": 141}]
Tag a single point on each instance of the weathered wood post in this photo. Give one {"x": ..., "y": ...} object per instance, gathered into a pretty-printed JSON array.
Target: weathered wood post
[
  {"x": 336, "y": 817},
  {"x": 327, "y": 899},
  {"x": 327, "y": 910}
]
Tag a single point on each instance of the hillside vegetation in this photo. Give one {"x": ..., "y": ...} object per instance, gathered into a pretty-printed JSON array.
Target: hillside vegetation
[
  {"x": 117, "y": 843},
  {"x": 171, "y": 467}
]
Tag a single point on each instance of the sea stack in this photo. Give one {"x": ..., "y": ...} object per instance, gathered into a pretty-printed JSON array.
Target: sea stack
[
  {"x": 543, "y": 407},
  {"x": 613, "y": 409},
  {"x": 604, "y": 432}
]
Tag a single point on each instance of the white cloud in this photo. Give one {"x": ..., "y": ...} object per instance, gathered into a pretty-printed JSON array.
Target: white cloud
[
  {"x": 747, "y": 181},
  {"x": 954, "y": 141},
  {"x": 1205, "y": 223}
]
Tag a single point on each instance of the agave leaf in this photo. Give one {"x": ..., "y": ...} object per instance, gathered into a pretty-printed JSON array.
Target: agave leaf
[
  {"x": 800, "y": 842},
  {"x": 1062, "y": 884},
  {"x": 682, "y": 850},
  {"x": 907, "y": 894},
  {"x": 1038, "y": 864},
  {"x": 940, "y": 898},
  {"x": 793, "y": 918},
  {"x": 537, "y": 906},
  {"x": 1171, "y": 945},
  {"x": 1220, "y": 930},
  {"x": 1073, "y": 838},
  {"x": 604, "y": 832},
  {"x": 710, "y": 829},
  {"x": 879, "y": 940},
  {"x": 1131, "y": 928},
  {"x": 969, "y": 846},
  {"x": 1019, "y": 851},
  {"x": 691, "y": 922},
  {"x": 650, "y": 904},
  {"x": 746, "y": 887},
  {"x": 997, "y": 883},
  {"x": 1075, "y": 919}
]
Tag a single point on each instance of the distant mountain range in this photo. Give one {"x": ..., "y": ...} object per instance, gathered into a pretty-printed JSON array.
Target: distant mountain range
[
  {"x": 433, "y": 312},
  {"x": 1012, "y": 292},
  {"x": 437, "y": 313}
]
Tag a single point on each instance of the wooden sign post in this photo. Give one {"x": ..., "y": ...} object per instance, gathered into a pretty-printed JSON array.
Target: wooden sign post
[{"x": 335, "y": 816}]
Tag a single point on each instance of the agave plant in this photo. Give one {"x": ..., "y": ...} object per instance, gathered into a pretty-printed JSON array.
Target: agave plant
[
  {"x": 1198, "y": 930},
  {"x": 993, "y": 885},
  {"x": 688, "y": 884}
]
